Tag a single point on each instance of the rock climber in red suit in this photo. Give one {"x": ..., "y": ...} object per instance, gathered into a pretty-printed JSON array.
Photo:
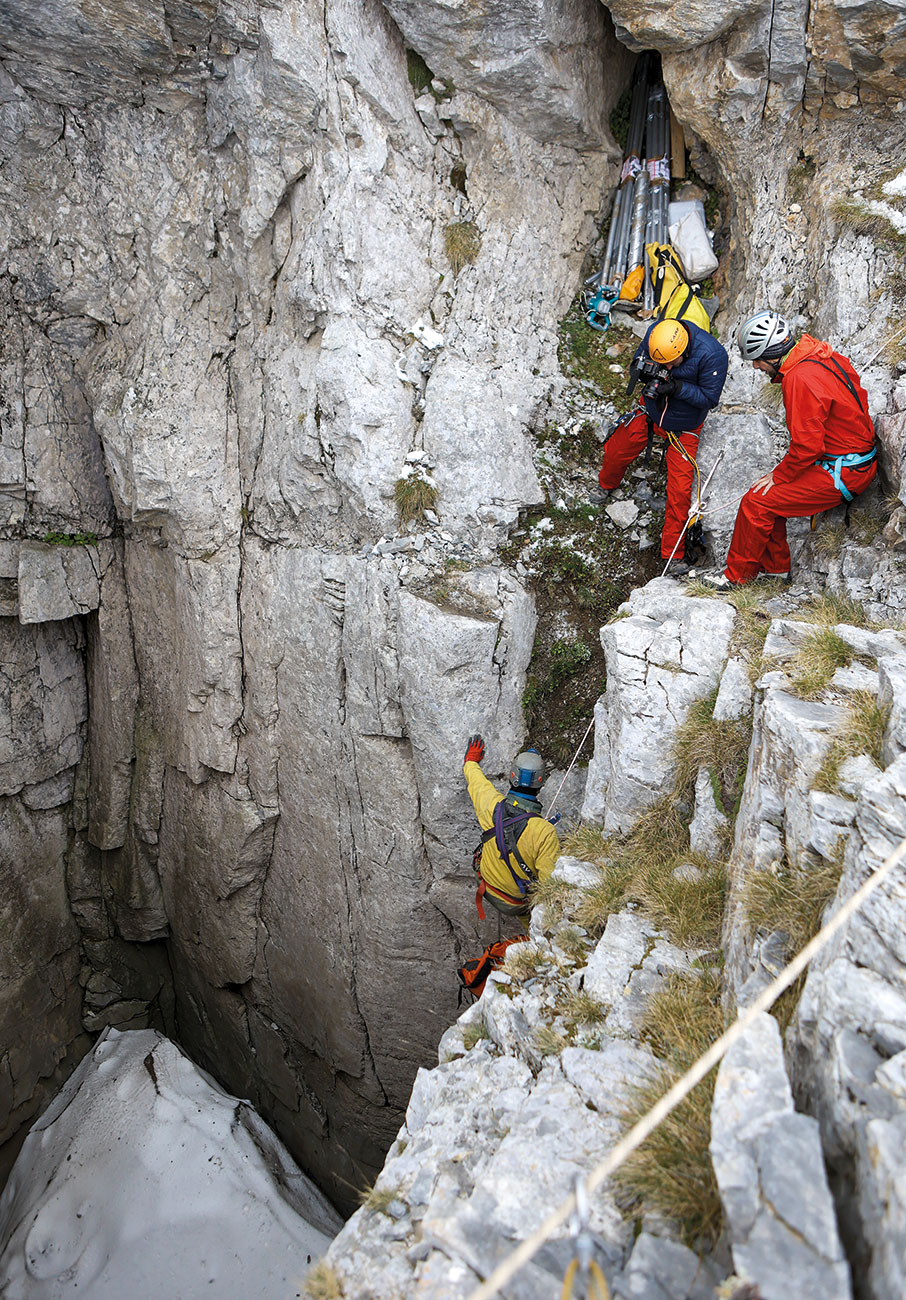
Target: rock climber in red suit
[{"x": 832, "y": 456}]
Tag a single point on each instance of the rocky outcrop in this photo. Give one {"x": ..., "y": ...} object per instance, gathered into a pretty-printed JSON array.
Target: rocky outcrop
[
  {"x": 782, "y": 1225},
  {"x": 665, "y": 650}
]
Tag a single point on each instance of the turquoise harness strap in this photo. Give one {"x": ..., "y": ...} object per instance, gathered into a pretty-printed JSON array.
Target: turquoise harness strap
[{"x": 852, "y": 460}]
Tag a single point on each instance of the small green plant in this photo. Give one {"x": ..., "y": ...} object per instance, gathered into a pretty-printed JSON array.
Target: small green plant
[
  {"x": 70, "y": 539},
  {"x": 462, "y": 243},
  {"x": 322, "y": 1283},
  {"x": 600, "y": 359},
  {"x": 413, "y": 496},
  {"x": 474, "y": 1033},
  {"x": 671, "y": 1172},
  {"x": 420, "y": 75},
  {"x": 861, "y": 733},
  {"x": 377, "y": 1200},
  {"x": 816, "y": 661}
]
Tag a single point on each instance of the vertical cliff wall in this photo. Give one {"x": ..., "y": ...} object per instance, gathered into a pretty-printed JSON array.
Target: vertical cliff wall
[{"x": 231, "y": 317}]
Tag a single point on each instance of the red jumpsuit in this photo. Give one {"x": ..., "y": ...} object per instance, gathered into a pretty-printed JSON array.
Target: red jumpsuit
[
  {"x": 625, "y": 444},
  {"x": 825, "y": 421}
]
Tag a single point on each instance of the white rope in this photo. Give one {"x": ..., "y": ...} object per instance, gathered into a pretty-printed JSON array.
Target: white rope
[
  {"x": 896, "y": 334},
  {"x": 681, "y": 1089},
  {"x": 572, "y": 764}
]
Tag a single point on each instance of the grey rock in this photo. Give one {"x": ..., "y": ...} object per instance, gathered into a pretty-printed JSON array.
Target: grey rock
[
  {"x": 658, "y": 1269},
  {"x": 707, "y": 830},
  {"x": 734, "y": 696},
  {"x": 770, "y": 1171},
  {"x": 57, "y": 582},
  {"x": 668, "y": 653},
  {"x": 622, "y": 513}
]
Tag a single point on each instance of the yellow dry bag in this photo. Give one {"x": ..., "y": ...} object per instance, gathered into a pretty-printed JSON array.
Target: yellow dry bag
[{"x": 674, "y": 297}]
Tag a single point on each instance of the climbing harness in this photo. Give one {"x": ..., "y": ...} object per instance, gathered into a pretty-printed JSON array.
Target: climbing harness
[
  {"x": 510, "y": 819},
  {"x": 583, "y": 1265},
  {"x": 852, "y": 460}
]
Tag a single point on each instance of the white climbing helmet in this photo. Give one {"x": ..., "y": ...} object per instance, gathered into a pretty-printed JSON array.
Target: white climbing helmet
[{"x": 766, "y": 336}]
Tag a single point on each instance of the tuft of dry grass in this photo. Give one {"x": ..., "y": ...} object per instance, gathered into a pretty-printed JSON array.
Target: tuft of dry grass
[
  {"x": 322, "y": 1283},
  {"x": 720, "y": 746},
  {"x": 462, "y": 242},
  {"x": 473, "y": 1033},
  {"x": 861, "y": 733},
  {"x": 580, "y": 1009},
  {"x": 816, "y": 661},
  {"x": 553, "y": 895},
  {"x": 829, "y": 609},
  {"x": 642, "y": 867},
  {"x": 828, "y": 540},
  {"x": 377, "y": 1199},
  {"x": 413, "y": 496},
  {"x": 588, "y": 843},
  {"x": 792, "y": 899},
  {"x": 521, "y": 959},
  {"x": 671, "y": 1172},
  {"x": 548, "y": 1041},
  {"x": 573, "y": 943}
]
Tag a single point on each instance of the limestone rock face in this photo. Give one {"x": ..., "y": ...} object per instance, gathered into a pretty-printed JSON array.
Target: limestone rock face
[
  {"x": 549, "y": 67},
  {"x": 770, "y": 1171},
  {"x": 668, "y": 651}
]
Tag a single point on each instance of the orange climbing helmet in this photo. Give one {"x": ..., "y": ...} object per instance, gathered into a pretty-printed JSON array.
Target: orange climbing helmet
[{"x": 668, "y": 341}]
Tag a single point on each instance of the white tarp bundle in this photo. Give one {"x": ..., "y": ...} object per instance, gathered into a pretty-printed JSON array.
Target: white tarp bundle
[{"x": 144, "y": 1179}]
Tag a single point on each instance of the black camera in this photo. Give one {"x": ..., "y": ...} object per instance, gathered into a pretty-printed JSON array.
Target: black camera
[{"x": 649, "y": 371}]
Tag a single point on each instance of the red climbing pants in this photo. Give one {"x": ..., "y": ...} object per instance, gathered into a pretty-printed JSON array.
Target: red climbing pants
[
  {"x": 759, "y": 542},
  {"x": 622, "y": 447}
]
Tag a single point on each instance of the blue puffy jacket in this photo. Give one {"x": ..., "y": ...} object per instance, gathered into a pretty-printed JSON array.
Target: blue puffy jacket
[{"x": 700, "y": 379}]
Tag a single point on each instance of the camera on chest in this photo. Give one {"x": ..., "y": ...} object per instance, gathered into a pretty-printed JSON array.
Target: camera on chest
[{"x": 651, "y": 374}]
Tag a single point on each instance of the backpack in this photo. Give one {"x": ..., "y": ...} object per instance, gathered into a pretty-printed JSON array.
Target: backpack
[
  {"x": 510, "y": 820},
  {"x": 674, "y": 297},
  {"x": 474, "y": 974}
]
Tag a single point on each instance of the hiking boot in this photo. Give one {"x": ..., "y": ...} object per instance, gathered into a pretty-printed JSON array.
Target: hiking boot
[
  {"x": 599, "y": 496},
  {"x": 774, "y": 577},
  {"x": 719, "y": 581},
  {"x": 676, "y": 568}
]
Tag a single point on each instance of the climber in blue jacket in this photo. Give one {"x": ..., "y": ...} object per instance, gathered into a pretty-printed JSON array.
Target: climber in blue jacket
[{"x": 693, "y": 367}]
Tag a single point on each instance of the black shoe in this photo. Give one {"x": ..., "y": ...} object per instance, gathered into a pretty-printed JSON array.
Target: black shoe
[
  {"x": 599, "y": 496},
  {"x": 676, "y": 568},
  {"x": 785, "y": 578}
]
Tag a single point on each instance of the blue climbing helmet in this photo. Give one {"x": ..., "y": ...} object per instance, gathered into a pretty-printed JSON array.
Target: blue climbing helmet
[{"x": 527, "y": 772}]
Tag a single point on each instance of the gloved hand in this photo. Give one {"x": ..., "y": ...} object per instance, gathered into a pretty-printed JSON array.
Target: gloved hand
[
  {"x": 475, "y": 750},
  {"x": 666, "y": 386}
]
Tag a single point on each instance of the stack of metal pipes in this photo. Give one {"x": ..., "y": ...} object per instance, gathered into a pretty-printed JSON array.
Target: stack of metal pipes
[{"x": 639, "y": 215}]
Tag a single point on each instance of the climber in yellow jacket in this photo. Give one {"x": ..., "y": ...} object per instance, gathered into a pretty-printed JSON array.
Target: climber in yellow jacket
[{"x": 519, "y": 846}]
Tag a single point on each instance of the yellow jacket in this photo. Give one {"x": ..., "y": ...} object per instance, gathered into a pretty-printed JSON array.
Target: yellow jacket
[{"x": 538, "y": 843}]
